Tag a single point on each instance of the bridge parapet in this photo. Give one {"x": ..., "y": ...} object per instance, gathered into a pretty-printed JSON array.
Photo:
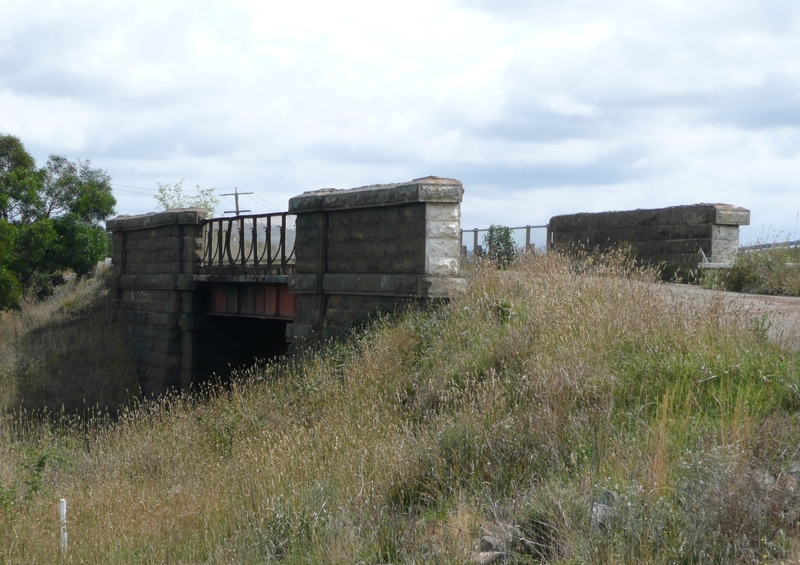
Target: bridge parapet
[
  {"x": 374, "y": 248},
  {"x": 673, "y": 237}
]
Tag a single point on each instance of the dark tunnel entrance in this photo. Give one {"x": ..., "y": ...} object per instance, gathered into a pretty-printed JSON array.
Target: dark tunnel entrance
[{"x": 223, "y": 344}]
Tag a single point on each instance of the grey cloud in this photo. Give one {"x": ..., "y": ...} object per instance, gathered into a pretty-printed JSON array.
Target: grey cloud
[
  {"x": 615, "y": 169},
  {"x": 357, "y": 154},
  {"x": 517, "y": 9},
  {"x": 180, "y": 138},
  {"x": 775, "y": 103},
  {"x": 534, "y": 124},
  {"x": 779, "y": 16},
  {"x": 53, "y": 83},
  {"x": 31, "y": 62}
]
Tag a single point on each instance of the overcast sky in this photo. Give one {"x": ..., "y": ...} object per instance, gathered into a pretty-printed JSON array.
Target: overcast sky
[{"x": 538, "y": 107}]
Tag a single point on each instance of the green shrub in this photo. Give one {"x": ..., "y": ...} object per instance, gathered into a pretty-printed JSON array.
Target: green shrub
[{"x": 499, "y": 246}]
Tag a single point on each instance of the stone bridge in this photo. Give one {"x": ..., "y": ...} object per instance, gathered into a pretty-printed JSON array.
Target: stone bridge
[{"x": 198, "y": 296}]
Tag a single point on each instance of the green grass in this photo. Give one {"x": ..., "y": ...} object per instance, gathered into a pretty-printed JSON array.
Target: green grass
[{"x": 541, "y": 391}]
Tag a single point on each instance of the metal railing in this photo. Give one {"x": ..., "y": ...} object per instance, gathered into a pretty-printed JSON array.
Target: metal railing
[
  {"x": 528, "y": 241},
  {"x": 762, "y": 246},
  {"x": 254, "y": 244}
]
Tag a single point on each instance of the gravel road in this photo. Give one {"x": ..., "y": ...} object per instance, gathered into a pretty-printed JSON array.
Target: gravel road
[{"x": 781, "y": 314}]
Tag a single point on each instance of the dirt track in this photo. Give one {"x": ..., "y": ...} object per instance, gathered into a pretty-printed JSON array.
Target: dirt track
[{"x": 780, "y": 313}]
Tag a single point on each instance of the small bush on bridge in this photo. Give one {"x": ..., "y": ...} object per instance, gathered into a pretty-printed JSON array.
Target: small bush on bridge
[{"x": 499, "y": 246}]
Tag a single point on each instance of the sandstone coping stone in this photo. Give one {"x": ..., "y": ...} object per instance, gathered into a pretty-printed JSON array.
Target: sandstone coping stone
[
  {"x": 426, "y": 189},
  {"x": 156, "y": 219},
  {"x": 721, "y": 214}
]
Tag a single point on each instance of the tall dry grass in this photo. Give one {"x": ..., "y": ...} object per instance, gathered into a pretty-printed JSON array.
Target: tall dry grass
[
  {"x": 546, "y": 389},
  {"x": 64, "y": 355}
]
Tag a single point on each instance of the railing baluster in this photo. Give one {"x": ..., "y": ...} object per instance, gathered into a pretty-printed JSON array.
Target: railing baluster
[
  {"x": 220, "y": 233},
  {"x": 269, "y": 244},
  {"x": 283, "y": 243},
  {"x": 240, "y": 227},
  {"x": 222, "y": 251},
  {"x": 228, "y": 234},
  {"x": 254, "y": 242}
]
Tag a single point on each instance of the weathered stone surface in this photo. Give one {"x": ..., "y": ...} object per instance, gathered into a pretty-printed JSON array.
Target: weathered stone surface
[
  {"x": 732, "y": 215},
  {"x": 672, "y": 237},
  {"x": 376, "y": 248},
  {"x": 600, "y": 516},
  {"x": 303, "y": 283},
  {"x": 151, "y": 291},
  {"x": 427, "y": 189},
  {"x": 157, "y": 219},
  {"x": 358, "y": 252},
  {"x": 492, "y": 543}
]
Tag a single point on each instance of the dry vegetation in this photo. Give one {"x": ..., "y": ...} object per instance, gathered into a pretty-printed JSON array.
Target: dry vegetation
[
  {"x": 544, "y": 392},
  {"x": 774, "y": 271},
  {"x": 64, "y": 355}
]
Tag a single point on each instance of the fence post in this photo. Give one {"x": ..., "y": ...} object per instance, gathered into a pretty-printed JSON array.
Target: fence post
[{"x": 62, "y": 517}]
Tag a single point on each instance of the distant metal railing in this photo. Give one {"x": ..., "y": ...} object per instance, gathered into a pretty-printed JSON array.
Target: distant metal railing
[
  {"x": 476, "y": 231},
  {"x": 254, "y": 244},
  {"x": 762, "y": 246}
]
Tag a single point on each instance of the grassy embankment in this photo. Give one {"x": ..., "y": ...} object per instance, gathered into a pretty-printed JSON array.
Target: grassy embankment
[
  {"x": 63, "y": 354},
  {"x": 540, "y": 392}
]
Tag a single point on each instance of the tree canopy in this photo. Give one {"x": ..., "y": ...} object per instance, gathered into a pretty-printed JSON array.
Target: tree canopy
[{"x": 49, "y": 220}]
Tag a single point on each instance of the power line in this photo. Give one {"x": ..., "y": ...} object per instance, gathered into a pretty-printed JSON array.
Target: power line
[
  {"x": 129, "y": 190},
  {"x": 235, "y": 194},
  {"x": 138, "y": 187},
  {"x": 264, "y": 202},
  {"x": 121, "y": 193},
  {"x": 255, "y": 196}
]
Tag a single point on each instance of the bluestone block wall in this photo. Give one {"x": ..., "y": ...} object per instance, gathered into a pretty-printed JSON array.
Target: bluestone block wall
[
  {"x": 152, "y": 292},
  {"x": 673, "y": 236},
  {"x": 375, "y": 248}
]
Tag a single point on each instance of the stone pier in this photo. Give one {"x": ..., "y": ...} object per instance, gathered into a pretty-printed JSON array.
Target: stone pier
[{"x": 372, "y": 249}]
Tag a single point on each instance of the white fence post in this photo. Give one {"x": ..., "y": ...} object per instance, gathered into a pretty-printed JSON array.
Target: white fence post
[{"x": 62, "y": 515}]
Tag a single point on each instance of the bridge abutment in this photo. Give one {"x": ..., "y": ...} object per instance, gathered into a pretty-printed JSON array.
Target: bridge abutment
[{"x": 152, "y": 293}]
